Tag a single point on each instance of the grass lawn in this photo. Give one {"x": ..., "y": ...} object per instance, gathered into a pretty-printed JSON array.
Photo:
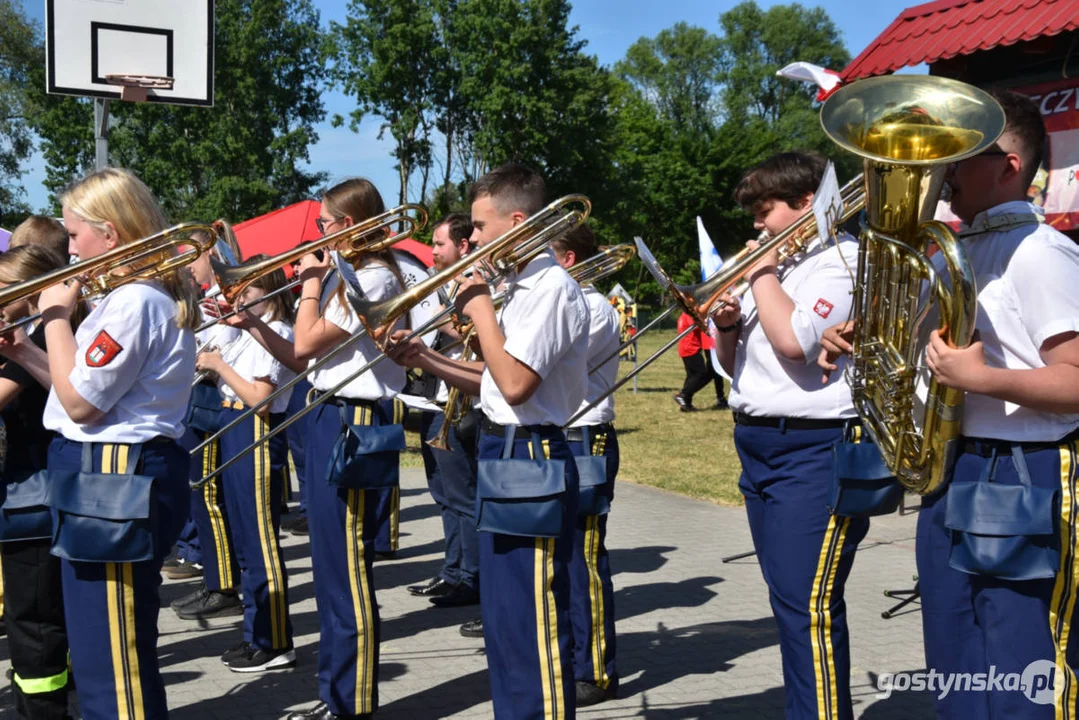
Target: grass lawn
[{"x": 687, "y": 453}]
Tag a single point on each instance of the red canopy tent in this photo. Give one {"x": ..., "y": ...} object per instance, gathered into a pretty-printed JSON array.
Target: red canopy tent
[{"x": 284, "y": 229}]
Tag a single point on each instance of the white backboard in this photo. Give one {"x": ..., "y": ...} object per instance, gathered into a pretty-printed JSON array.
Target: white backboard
[{"x": 89, "y": 39}]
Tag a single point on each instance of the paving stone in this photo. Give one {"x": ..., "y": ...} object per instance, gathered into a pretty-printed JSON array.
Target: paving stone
[{"x": 695, "y": 635}]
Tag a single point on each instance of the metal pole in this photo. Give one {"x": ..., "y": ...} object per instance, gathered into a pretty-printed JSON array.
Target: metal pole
[{"x": 101, "y": 133}]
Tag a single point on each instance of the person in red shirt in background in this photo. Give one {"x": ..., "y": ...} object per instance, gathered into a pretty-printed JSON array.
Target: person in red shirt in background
[{"x": 699, "y": 371}]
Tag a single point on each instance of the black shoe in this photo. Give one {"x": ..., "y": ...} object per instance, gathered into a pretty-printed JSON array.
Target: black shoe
[
  {"x": 459, "y": 596},
  {"x": 473, "y": 628},
  {"x": 200, "y": 592},
  {"x": 255, "y": 659},
  {"x": 435, "y": 588},
  {"x": 385, "y": 554},
  {"x": 171, "y": 561},
  {"x": 297, "y": 526},
  {"x": 235, "y": 652},
  {"x": 722, "y": 405},
  {"x": 688, "y": 408},
  {"x": 322, "y": 712},
  {"x": 680, "y": 400},
  {"x": 589, "y": 694},
  {"x": 214, "y": 604}
]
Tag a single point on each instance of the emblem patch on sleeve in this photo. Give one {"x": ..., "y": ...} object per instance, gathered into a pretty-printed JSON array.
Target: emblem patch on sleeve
[
  {"x": 102, "y": 351},
  {"x": 823, "y": 308}
]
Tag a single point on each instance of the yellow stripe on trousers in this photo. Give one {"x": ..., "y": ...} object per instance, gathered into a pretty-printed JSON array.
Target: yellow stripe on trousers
[
  {"x": 595, "y": 596},
  {"x": 361, "y": 603},
  {"x": 1062, "y": 605},
  {"x": 550, "y": 662},
  {"x": 120, "y": 600},
  {"x": 820, "y": 616},
  {"x": 268, "y": 538},
  {"x": 210, "y": 495},
  {"x": 595, "y": 586}
]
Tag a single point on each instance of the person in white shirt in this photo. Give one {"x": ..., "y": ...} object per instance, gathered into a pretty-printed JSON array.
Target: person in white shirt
[
  {"x": 786, "y": 426},
  {"x": 593, "y": 440},
  {"x": 531, "y": 380},
  {"x": 452, "y": 479},
  {"x": 118, "y": 479},
  {"x": 247, "y": 374},
  {"x": 206, "y": 547},
  {"x": 999, "y": 600},
  {"x": 353, "y": 457}
]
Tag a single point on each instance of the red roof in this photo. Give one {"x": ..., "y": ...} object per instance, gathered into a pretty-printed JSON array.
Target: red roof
[
  {"x": 284, "y": 229},
  {"x": 946, "y": 28}
]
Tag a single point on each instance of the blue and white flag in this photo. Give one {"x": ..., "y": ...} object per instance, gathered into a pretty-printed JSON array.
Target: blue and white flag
[{"x": 710, "y": 263}]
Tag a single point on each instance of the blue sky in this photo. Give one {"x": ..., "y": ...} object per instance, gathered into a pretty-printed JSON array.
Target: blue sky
[{"x": 609, "y": 26}]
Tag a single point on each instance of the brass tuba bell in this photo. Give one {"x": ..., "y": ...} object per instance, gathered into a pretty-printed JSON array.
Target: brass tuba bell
[{"x": 909, "y": 129}]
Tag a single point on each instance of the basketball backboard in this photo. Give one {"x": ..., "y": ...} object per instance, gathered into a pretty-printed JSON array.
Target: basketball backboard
[{"x": 87, "y": 40}]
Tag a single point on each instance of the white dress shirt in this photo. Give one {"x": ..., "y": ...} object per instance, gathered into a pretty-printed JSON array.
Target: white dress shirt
[
  {"x": 603, "y": 340},
  {"x": 819, "y": 282},
  {"x": 252, "y": 361},
  {"x": 1028, "y": 292},
  {"x": 545, "y": 320},
  {"x": 133, "y": 364},
  {"x": 387, "y": 378}
]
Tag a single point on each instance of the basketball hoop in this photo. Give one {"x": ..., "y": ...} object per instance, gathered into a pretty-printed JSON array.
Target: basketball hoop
[{"x": 133, "y": 88}]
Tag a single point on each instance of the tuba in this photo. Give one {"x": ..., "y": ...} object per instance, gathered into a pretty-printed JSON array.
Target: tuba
[{"x": 909, "y": 129}]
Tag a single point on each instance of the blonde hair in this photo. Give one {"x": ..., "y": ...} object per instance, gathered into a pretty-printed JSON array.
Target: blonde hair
[
  {"x": 40, "y": 230},
  {"x": 227, "y": 235},
  {"x": 118, "y": 197}
]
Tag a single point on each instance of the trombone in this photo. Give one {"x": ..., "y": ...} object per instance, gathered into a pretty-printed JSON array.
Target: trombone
[
  {"x": 112, "y": 269},
  {"x": 233, "y": 279},
  {"x": 513, "y": 248},
  {"x": 606, "y": 262},
  {"x": 701, "y": 300}
]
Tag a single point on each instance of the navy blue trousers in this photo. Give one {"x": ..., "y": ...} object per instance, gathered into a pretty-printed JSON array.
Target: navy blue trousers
[
  {"x": 388, "y": 499},
  {"x": 297, "y": 445},
  {"x": 805, "y": 554},
  {"x": 343, "y": 523},
  {"x": 453, "y": 487},
  {"x": 111, "y": 608},
  {"x": 187, "y": 546},
  {"x": 209, "y": 510},
  {"x": 972, "y": 623},
  {"x": 254, "y": 489},
  {"x": 525, "y": 591},
  {"x": 591, "y": 587}
]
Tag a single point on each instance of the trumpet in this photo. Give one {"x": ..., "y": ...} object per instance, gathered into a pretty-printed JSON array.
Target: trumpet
[
  {"x": 702, "y": 300},
  {"x": 121, "y": 265},
  {"x": 606, "y": 262},
  {"x": 514, "y": 247}
]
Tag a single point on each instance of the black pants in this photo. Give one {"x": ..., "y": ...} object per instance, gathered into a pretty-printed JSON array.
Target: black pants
[
  {"x": 699, "y": 372},
  {"x": 37, "y": 638}
]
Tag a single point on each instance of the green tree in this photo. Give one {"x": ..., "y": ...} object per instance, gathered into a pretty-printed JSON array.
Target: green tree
[
  {"x": 244, "y": 156},
  {"x": 678, "y": 72},
  {"x": 21, "y": 49},
  {"x": 387, "y": 55}
]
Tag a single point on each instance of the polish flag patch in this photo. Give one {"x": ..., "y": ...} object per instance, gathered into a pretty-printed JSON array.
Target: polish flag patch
[
  {"x": 823, "y": 308},
  {"x": 103, "y": 350}
]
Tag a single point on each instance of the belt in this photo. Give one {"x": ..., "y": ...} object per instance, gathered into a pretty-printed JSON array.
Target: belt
[
  {"x": 987, "y": 447},
  {"x": 574, "y": 434},
  {"x": 341, "y": 401},
  {"x": 523, "y": 432},
  {"x": 791, "y": 423}
]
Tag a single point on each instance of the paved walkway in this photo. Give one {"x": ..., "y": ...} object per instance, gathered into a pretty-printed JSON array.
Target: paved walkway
[{"x": 695, "y": 636}]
